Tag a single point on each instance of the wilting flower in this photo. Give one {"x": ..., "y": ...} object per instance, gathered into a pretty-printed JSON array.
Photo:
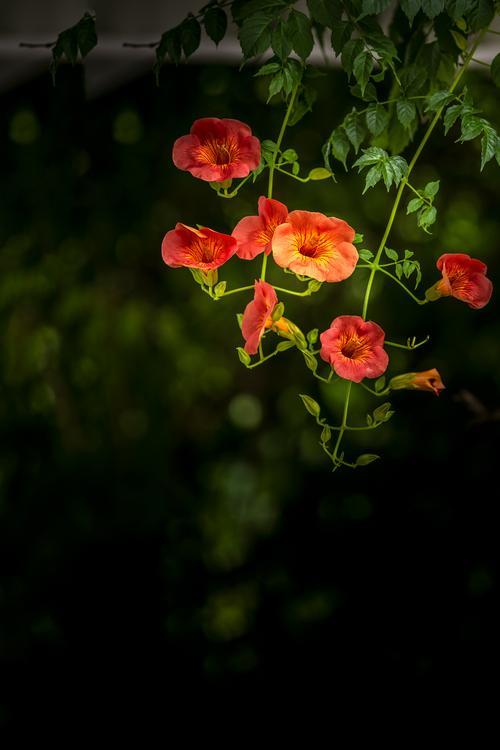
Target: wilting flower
[
  {"x": 463, "y": 278},
  {"x": 354, "y": 348},
  {"x": 428, "y": 380},
  {"x": 254, "y": 233},
  {"x": 258, "y": 317},
  {"x": 217, "y": 150},
  {"x": 196, "y": 248},
  {"x": 315, "y": 245}
]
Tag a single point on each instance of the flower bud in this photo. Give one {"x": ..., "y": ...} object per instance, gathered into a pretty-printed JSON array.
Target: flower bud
[
  {"x": 210, "y": 277},
  {"x": 278, "y": 311},
  {"x": 244, "y": 357},
  {"x": 428, "y": 380}
]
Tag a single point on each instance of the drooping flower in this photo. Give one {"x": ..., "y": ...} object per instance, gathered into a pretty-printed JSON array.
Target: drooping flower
[
  {"x": 427, "y": 380},
  {"x": 258, "y": 317},
  {"x": 354, "y": 348},
  {"x": 315, "y": 245},
  {"x": 463, "y": 278},
  {"x": 196, "y": 248},
  {"x": 254, "y": 233},
  {"x": 217, "y": 150}
]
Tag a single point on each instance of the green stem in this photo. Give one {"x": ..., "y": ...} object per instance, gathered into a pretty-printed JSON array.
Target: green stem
[
  {"x": 263, "y": 359},
  {"x": 405, "y": 346},
  {"x": 411, "y": 165},
  {"x": 392, "y": 216},
  {"x": 403, "y": 286},
  {"x": 480, "y": 62},
  {"x": 293, "y": 176},
  {"x": 375, "y": 393},
  {"x": 426, "y": 200},
  {"x": 272, "y": 166},
  {"x": 306, "y": 293},
  {"x": 344, "y": 421},
  {"x": 234, "y": 192},
  {"x": 235, "y": 291}
]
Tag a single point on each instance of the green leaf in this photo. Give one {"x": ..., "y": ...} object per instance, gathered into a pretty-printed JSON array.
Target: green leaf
[
  {"x": 86, "y": 34},
  {"x": 457, "y": 8},
  {"x": 215, "y": 22},
  {"x": 190, "y": 31},
  {"x": 371, "y": 155},
  {"x": 410, "y": 8},
  {"x": 472, "y": 126},
  {"x": 373, "y": 176},
  {"x": 451, "y": 116},
  {"x": 406, "y": 112},
  {"x": 432, "y": 8},
  {"x": 460, "y": 40},
  {"x": 276, "y": 84},
  {"x": 170, "y": 44},
  {"x": 325, "y": 12},
  {"x": 392, "y": 254},
  {"x": 311, "y": 405},
  {"x": 488, "y": 145},
  {"x": 68, "y": 42},
  {"x": 350, "y": 52},
  {"x": 358, "y": 239},
  {"x": 289, "y": 155},
  {"x": 481, "y": 15},
  {"x": 399, "y": 270},
  {"x": 426, "y": 217},
  {"x": 439, "y": 99},
  {"x": 374, "y": 7},
  {"x": 242, "y": 9},
  {"x": 414, "y": 205},
  {"x": 377, "y": 119},
  {"x": 280, "y": 40},
  {"x": 362, "y": 67},
  {"x": 495, "y": 70},
  {"x": 355, "y": 130},
  {"x": 379, "y": 384},
  {"x": 365, "y": 254},
  {"x": 299, "y": 29},
  {"x": 399, "y": 168},
  {"x": 268, "y": 69},
  {"x": 366, "y": 458},
  {"x": 319, "y": 173},
  {"x": 431, "y": 189},
  {"x": 255, "y": 35},
  {"x": 340, "y": 145},
  {"x": 341, "y": 34}
]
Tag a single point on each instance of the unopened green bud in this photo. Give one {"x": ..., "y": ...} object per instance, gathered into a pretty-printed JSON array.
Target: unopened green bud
[
  {"x": 243, "y": 355},
  {"x": 220, "y": 288},
  {"x": 311, "y": 405},
  {"x": 278, "y": 311},
  {"x": 326, "y": 434},
  {"x": 210, "y": 277},
  {"x": 314, "y": 285}
]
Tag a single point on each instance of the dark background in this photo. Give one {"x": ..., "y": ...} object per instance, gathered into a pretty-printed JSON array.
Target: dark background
[{"x": 166, "y": 514}]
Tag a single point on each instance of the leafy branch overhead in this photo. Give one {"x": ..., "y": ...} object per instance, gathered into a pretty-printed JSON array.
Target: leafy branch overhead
[{"x": 72, "y": 43}]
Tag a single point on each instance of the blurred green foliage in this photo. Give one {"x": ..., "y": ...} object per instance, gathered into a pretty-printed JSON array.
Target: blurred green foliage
[{"x": 154, "y": 494}]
